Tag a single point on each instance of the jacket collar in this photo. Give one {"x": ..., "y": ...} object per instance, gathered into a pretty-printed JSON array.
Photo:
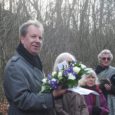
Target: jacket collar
[
  {"x": 99, "y": 69},
  {"x": 33, "y": 60}
]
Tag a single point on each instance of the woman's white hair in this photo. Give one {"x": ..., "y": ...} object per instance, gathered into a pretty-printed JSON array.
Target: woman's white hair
[
  {"x": 65, "y": 56},
  {"x": 105, "y": 51},
  {"x": 90, "y": 72}
]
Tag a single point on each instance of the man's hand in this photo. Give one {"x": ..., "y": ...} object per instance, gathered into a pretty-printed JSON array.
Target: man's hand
[{"x": 59, "y": 92}]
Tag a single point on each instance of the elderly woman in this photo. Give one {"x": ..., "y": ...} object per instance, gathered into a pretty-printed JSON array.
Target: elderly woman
[
  {"x": 96, "y": 102},
  {"x": 70, "y": 103},
  {"x": 105, "y": 71}
]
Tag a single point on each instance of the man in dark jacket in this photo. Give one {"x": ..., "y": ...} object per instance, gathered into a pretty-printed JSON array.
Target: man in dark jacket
[{"x": 23, "y": 75}]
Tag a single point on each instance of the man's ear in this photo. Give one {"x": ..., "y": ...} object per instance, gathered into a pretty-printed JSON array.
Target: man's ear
[{"x": 22, "y": 40}]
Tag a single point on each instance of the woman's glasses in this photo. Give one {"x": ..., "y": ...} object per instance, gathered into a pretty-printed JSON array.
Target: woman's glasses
[{"x": 106, "y": 58}]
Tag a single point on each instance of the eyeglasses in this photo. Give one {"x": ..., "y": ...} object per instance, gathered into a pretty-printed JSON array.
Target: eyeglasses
[{"x": 106, "y": 58}]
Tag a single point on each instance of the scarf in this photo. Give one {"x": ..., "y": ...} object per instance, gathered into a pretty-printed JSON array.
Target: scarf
[
  {"x": 94, "y": 88},
  {"x": 99, "y": 69},
  {"x": 32, "y": 59}
]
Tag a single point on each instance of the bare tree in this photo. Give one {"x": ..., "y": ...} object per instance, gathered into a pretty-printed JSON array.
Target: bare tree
[{"x": 81, "y": 27}]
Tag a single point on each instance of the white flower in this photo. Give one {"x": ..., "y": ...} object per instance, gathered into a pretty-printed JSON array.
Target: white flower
[
  {"x": 89, "y": 70},
  {"x": 44, "y": 80},
  {"x": 53, "y": 79},
  {"x": 76, "y": 69},
  {"x": 60, "y": 75},
  {"x": 54, "y": 73},
  {"x": 70, "y": 76},
  {"x": 83, "y": 66}
]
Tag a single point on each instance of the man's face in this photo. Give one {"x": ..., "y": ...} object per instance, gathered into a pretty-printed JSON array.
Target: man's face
[
  {"x": 33, "y": 40},
  {"x": 105, "y": 60}
]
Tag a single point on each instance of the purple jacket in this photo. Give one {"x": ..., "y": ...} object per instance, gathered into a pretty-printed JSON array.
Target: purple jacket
[{"x": 91, "y": 101}]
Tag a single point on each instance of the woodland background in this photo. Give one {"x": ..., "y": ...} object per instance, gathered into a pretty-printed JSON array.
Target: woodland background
[{"x": 81, "y": 27}]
